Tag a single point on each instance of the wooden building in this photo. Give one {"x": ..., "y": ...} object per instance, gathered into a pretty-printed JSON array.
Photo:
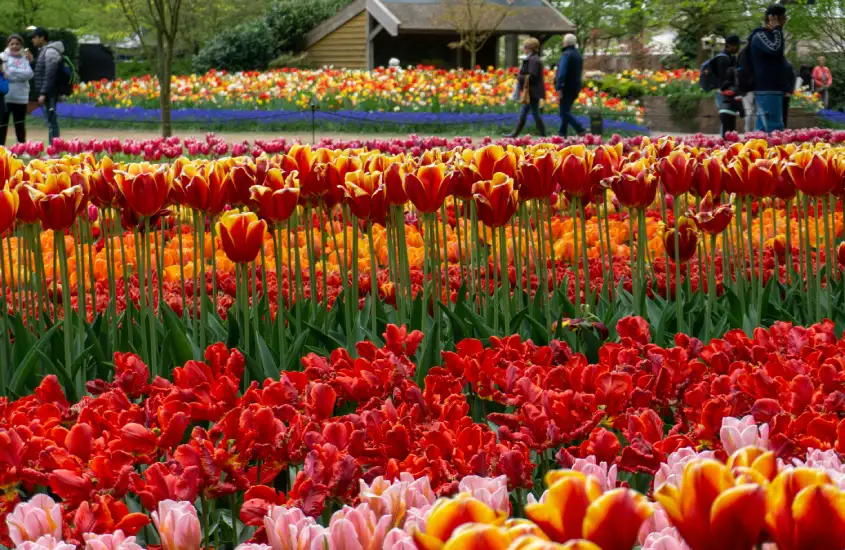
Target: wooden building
[{"x": 368, "y": 33}]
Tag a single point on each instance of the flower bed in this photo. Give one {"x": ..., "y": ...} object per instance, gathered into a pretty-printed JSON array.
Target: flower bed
[
  {"x": 241, "y": 345},
  {"x": 357, "y": 443}
]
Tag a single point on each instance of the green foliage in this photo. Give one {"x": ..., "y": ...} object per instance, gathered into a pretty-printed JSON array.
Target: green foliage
[
  {"x": 142, "y": 67},
  {"x": 254, "y": 44},
  {"x": 289, "y": 60}
]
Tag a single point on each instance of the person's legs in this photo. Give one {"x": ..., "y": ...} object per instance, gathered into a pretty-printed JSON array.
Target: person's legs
[
  {"x": 534, "y": 106},
  {"x": 785, "y": 110},
  {"x": 19, "y": 116},
  {"x": 4, "y": 121},
  {"x": 826, "y": 97},
  {"x": 50, "y": 117},
  {"x": 748, "y": 107},
  {"x": 769, "y": 111},
  {"x": 523, "y": 116},
  {"x": 566, "y": 117}
]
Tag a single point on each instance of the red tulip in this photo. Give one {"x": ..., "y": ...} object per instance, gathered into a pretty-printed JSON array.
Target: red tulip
[
  {"x": 675, "y": 172},
  {"x": 712, "y": 218},
  {"x": 427, "y": 189},
  {"x": 242, "y": 235},
  {"x": 145, "y": 188},
  {"x": 366, "y": 196},
  {"x": 635, "y": 186},
  {"x": 687, "y": 240},
  {"x": 812, "y": 174},
  {"x": 495, "y": 199}
]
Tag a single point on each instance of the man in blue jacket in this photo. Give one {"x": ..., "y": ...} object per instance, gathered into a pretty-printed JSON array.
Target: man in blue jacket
[
  {"x": 568, "y": 83},
  {"x": 771, "y": 72}
]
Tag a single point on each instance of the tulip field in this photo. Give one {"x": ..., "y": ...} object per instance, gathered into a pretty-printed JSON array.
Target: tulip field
[{"x": 424, "y": 344}]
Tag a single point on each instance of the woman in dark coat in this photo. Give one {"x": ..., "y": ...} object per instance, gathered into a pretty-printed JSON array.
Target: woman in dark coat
[{"x": 532, "y": 72}]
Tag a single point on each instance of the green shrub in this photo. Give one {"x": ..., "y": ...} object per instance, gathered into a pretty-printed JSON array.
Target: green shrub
[
  {"x": 290, "y": 60},
  {"x": 836, "y": 64},
  {"x": 254, "y": 44}
]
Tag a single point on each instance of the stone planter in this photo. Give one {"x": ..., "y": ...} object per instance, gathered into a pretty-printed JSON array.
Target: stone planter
[
  {"x": 802, "y": 118},
  {"x": 660, "y": 119}
]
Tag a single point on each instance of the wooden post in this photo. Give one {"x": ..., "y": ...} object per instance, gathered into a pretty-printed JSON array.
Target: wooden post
[{"x": 511, "y": 50}]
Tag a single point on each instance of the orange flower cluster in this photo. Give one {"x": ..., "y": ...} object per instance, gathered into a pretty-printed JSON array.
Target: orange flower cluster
[{"x": 735, "y": 505}]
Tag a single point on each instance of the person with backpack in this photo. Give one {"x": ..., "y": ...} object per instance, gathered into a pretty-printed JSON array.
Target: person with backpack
[
  {"x": 48, "y": 69},
  {"x": 763, "y": 69},
  {"x": 15, "y": 65},
  {"x": 719, "y": 75}
]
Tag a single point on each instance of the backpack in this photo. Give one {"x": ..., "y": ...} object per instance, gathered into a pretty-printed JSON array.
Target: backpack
[
  {"x": 745, "y": 70},
  {"x": 66, "y": 77},
  {"x": 707, "y": 78}
]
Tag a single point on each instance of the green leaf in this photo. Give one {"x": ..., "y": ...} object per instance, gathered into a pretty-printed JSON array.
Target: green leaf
[
  {"x": 539, "y": 334},
  {"x": 233, "y": 338},
  {"x": 24, "y": 341},
  {"x": 183, "y": 348},
  {"x": 328, "y": 341},
  {"x": 268, "y": 362},
  {"x": 481, "y": 329},
  {"x": 296, "y": 351},
  {"x": 459, "y": 330}
]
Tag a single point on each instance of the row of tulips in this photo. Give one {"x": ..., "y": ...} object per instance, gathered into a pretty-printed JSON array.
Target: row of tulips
[
  {"x": 420, "y": 89},
  {"x": 482, "y": 241},
  {"x": 357, "y": 445},
  {"x": 213, "y": 146}
]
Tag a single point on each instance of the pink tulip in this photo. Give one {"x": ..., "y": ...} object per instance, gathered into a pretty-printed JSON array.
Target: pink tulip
[
  {"x": 605, "y": 475},
  {"x": 115, "y": 541},
  {"x": 397, "y": 539},
  {"x": 667, "y": 539},
  {"x": 246, "y": 546},
  {"x": 738, "y": 433},
  {"x": 178, "y": 525},
  {"x": 290, "y": 529},
  {"x": 491, "y": 491},
  {"x": 354, "y": 529},
  {"x": 673, "y": 469},
  {"x": 31, "y": 520},
  {"x": 47, "y": 542},
  {"x": 657, "y": 522}
]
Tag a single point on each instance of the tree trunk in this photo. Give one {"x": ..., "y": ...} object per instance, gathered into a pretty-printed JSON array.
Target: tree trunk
[
  {"x": 472, "y": 54},
  {"x": 165, "y": 72}
]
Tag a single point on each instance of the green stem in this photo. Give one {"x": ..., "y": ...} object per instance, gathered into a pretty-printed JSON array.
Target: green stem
[
  {"x": 506, "y": 291},
  {"x": 373, "y": 281}
]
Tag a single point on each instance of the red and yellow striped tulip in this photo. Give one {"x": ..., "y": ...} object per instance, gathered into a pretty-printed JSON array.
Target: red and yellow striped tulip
[
  {"x": 242, "y": 235},
  {"x": 495, "y": 199},
  {"x": 449, "y": 514},
  {"x": 427, "y": 188}
]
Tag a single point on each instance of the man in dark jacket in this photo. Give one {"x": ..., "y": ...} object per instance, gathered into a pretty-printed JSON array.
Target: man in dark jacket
[
  {"x": 770, "y": 69},
  {"x": 531, "y": 76},
  {"x": 568, "y": 83},
  {"x": 724, "y": 72},
  {"x": 47, "y": 67}
]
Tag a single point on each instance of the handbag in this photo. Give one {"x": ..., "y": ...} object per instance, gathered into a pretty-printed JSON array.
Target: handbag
[
  {"x": 4, "y": 84},
  {"x": 524, "y": 96}
]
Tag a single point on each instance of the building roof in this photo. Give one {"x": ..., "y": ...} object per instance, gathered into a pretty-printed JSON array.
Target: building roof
[{"x": 415, "y": 16}]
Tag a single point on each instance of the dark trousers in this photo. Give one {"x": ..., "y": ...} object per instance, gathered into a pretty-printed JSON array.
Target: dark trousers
[
  {"x": 16, "y": 112},
  {"x": 786, "y": 100},
  {"x": 51, "y": 118},
  {"x": 566, "y": 117},
  {"x": 534, "y": 107}
]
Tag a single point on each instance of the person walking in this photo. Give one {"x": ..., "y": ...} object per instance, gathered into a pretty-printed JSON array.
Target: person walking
[
  {"x": 822, "y": 80},
  {"x": 724, "y": 72},
  {"x": 47, "y": 67},
  {"x": 15, "y": 63},
  {"x": 568, "y": 83},
  {"x": 532, "y": 88},
  {"x": 770, "y": 69}
]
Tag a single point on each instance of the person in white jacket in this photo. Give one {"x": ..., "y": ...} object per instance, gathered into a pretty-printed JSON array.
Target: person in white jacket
[{"x": 16, "y": 66}]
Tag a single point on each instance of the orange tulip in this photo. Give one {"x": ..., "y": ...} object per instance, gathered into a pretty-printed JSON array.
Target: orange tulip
[
  {"x": 711, "y": 511},
  {"x": 366, "y": 196},
  {"x": 687, "y": 240},
  {"x": 103, "y": 186},
  {"x": 449, "y": 514},
  {"x": 492, "y": 159},
  {"x": 536, "y": 543},
  {"x": 676, "y": 171},
  {"x": 27, "y": 211},
  {"x": 606, "y": 160},
  {"x": 9, "y": 203},
  {"x": 707, "y": 175},
  {"x": 753, "y": 465},
  {"x": 242, "y": 235},
  {"x": 205, "y": 188},
  {"x": 805, "y": 511},
  {"x": 712, "y": 218},
  {"x": 277, "y": 204},
  {"x": 576, "y": 177},
  {"x": 145, "y": 191},
  {"x": 812, "y": 174},
  {"x": 575, "y": 508},
  {"x": 495, "y": 199},
  {"x": 58, "y": 211},
  {"x": 539, "y": 178},
  {"x": 752, "y": 177},
  {"x": 635, "y": 186},
  {"x": 427, "y": 188}
]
